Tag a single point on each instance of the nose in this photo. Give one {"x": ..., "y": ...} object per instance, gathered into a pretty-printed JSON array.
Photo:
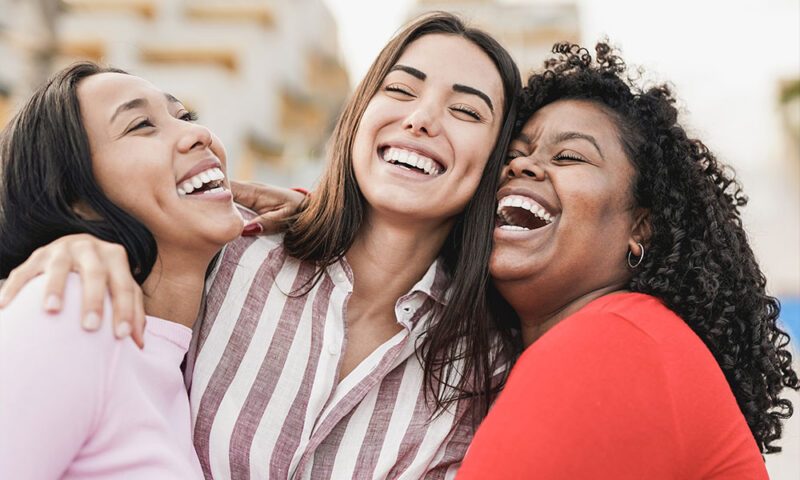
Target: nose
[
  {"x": 524, "y": 167},
  {"x": 423, "y": 119},
  {"x": 194, "y": 136}
]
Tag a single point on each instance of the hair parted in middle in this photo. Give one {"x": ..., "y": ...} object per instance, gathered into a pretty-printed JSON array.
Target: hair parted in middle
[{"x": 327, "y": 227}]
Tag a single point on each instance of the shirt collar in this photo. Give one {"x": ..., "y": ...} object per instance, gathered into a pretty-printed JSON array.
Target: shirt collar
[{"x": 435, "y": 283}]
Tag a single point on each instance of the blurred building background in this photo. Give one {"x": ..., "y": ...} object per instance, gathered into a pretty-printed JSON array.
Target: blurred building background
[
  {"x": 263, "y": 75},
  {"x": 269, "y": 77}
]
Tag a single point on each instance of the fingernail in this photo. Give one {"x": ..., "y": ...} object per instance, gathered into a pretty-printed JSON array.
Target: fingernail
[
  {"x": 52, "y": 303},
  {"x": 252, "y": 229},
  {"x": 122, "y": 330},
  {"x": 91, "y": 321}
]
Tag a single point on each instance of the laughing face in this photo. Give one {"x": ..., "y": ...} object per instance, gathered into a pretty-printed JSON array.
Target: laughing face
[
  {"x": 154, "y": 162},
  {"x": 565, "y": 215},
  {"x": 426, "y": 135}
]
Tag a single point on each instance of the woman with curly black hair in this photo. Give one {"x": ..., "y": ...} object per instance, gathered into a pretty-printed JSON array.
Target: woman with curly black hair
[{"x": 652, "y": 345}]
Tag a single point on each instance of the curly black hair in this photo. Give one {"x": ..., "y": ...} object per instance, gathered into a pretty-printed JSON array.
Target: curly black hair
[{"x": 698, "y": 261}]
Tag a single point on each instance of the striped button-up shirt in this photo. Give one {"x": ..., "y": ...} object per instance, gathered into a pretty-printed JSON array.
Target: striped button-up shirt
[{"x": 263, "y": 373}]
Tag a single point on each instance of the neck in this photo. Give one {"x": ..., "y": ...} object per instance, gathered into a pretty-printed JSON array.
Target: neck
[
  {"x": 387, "y": 259},
  {"x": 543, "y": 314},
  {"x": 174, "y": 289}
]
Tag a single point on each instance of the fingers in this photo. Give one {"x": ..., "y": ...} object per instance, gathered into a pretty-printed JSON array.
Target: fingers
[
  {"x": 16, "y": 279},
  {"x": 123, "y": 289},
  {"x": 267, "y": 223},
  {"x": 33, "y": 266},
  {"x": 247, "y": 195},
  {"x": 138, "y": 318},
  {"x": 252, "y": 228},
  {"x": 93, "y": 284}
]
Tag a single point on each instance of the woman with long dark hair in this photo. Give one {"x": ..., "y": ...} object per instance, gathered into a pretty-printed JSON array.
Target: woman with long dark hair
[
  {"x": 360, "y": 345},
  {"x": 652, "y": 345},
  {"x": 101, "y": 152}
]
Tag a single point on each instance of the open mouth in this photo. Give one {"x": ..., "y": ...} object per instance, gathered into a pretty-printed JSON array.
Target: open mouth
[
  {"x": 207, "y": 181},
  {"x": 411, "y": 160},
  {"x": 517, "y": 212}
]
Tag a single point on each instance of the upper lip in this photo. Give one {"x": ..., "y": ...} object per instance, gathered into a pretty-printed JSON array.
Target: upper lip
[
  {"x": 415, "y": 147},
  {"x": 201, "y": 166},
  {"x": 525, "y": 192}
]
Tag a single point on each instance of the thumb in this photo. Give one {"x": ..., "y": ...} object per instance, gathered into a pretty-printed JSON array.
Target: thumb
[{"x": 244, "y": 194}]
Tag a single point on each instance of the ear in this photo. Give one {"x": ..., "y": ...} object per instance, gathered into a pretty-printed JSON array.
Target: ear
[
  {"x": 641, "y": 230},
  {"x": 83, "y": 210}
]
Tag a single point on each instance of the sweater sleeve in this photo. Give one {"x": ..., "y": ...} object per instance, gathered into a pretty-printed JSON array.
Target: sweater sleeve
[
  {"x": 585, "y": 401},
  {"x": 52, "y": 380}
]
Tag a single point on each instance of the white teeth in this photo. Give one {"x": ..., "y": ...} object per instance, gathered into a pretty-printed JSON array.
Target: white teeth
[
  {"x": 522, "y": 202},
  {"x": 213, "y": 190},
  {"x": 513, "y": 227},
  {"x": 197, "y": 181},
  {"x": 411, "y": 159}
]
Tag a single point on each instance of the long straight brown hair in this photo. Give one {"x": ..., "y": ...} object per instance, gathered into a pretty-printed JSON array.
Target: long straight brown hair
[{"x": 463, "y": 330}]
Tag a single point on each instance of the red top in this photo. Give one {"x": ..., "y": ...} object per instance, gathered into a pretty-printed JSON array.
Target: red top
[{"x": 623, "y": 389}]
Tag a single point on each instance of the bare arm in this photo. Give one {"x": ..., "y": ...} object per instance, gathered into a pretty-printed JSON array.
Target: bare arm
[{"x": 104, "y": 265}]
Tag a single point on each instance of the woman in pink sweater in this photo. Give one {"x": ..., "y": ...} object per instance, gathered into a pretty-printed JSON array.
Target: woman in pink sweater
[{"x": 102, "y": 152}]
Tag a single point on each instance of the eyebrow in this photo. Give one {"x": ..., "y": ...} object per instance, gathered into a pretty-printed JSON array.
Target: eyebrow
[
  {"x": 137, "y": 103},
  {"x": 456, "y": 87},
  {"x": 564, "y": 136},
  {"x": 409, "y": 70},
  {"x": 474, "y": 91}
]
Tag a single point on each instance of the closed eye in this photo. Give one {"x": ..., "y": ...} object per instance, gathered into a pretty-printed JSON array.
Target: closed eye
[
  {"x": 399, "y": 89},
  {"x": 143, "y": 124},
  {"x": 567, "y": 157},
  {"x": 466, "y": 109}
]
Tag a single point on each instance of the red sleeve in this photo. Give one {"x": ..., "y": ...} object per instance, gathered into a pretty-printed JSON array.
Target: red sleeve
[{"x": 582, "y": 402}]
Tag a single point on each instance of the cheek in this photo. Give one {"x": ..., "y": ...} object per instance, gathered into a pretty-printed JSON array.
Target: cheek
[
  {"x": 135, "y": 185},
  {"x": 476, "y": 148}
]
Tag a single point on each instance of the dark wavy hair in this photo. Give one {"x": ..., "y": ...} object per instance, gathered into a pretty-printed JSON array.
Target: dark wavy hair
[
  {"x": 698, "y": 261},
  {"x": 46, "y": 170},
  {"x": 327, "y": 226}
]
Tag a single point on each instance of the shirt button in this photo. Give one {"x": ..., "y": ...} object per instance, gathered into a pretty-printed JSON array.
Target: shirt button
[{"x": 332, "y": 349}]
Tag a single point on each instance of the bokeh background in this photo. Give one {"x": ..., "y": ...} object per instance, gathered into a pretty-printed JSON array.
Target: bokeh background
[{"x": 269, "y": 77}]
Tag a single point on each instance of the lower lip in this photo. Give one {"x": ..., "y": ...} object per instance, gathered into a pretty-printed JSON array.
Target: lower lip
[{"x": 224, "y": 195}]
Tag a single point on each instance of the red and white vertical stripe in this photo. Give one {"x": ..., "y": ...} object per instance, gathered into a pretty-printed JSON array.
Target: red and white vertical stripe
[{"x": 264, "y": 396}]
